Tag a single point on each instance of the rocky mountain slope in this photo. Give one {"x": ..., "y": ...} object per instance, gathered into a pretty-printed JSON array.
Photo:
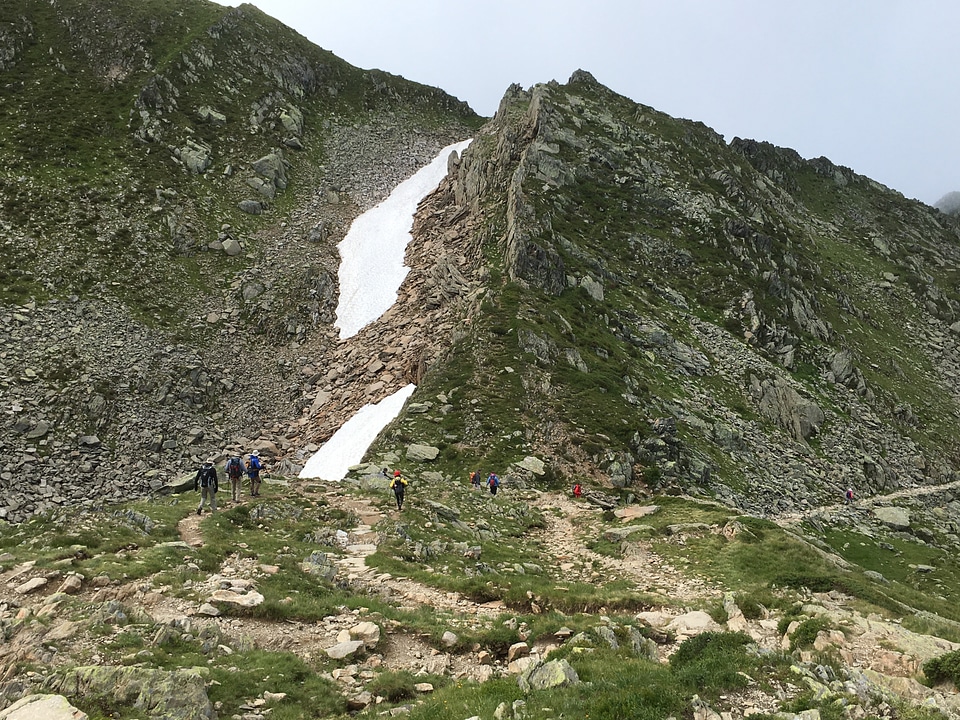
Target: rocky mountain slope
[
  {"x": 723, "y": 331},
  {"x": 173, "y": 181}
]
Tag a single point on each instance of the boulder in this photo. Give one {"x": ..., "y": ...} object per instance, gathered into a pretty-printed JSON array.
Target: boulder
[
  {"x": 532, "y": 464},
  {"x": 270, "y": 167},
  {"x": 247, "y": 600},
  {"x": 175, "y": 694},
  {"x": 42, "y": 707},
  {"x": 344, "y": 649},
  {"x": 195, "y": 158},
  {"x": 517, "y": 650},
  {"x": 367, "y": 632},
  {"x": 895, "y": 518},
  {"x": 422, "y": 453},
  {"x": 621, "y": 534},
  {"x": 693, "y": 623},
  {"x": 209, "y": 115},
  {"x": 552, "y": 674},
  {"x": 232, "y": 247}
]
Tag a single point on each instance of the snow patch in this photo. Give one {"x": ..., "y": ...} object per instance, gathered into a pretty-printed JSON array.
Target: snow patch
[
  {"x": 372, "y": 253},
  {"x": 350, "y": 442}
]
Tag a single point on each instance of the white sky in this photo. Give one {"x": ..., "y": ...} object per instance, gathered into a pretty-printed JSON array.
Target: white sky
[
  {"x": 868, "y": 84},
  {"x": 371, "y": 272}
]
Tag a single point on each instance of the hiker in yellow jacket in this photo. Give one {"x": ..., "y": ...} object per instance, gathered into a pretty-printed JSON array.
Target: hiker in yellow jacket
[{"x": 399, "y": 486}]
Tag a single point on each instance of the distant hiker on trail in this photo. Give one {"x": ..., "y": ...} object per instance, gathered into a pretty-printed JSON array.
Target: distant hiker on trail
[
  {"x": 234, "y": 471},
  {"x": 849, "y": 496},
  {"x": 253, "y": 472},
  {"x": 475, "y": 479},
  {"x": 206, "y": 483},
  {"x": 493, "y": 482},
  {"x": 399, "y": 486},
  {"x": 577, "y": 490}
]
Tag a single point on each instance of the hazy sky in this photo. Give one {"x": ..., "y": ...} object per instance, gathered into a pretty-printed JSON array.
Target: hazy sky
[{"x": 867, "y": 83}]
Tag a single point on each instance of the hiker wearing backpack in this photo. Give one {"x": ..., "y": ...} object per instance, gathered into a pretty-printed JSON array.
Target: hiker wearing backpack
[
  {"x": 234, "y": 471},
  {"x": 253, "y": 472},
  {"x": 493, "y": 482},
  {"x": 206, "y": 483},
  {"x": 399, "y": 486},
  {"x": 475, "y": 479},
  {"x": 577, "y": 490}
]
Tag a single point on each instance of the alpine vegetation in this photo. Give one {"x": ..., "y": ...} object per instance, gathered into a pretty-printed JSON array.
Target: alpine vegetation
[{"x": 671, "y": 417}]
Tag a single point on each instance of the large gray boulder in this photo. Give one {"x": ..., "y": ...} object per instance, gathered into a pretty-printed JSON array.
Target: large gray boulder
[
  {"x": 422, "y": 453},
  {"x": 271, "y": 168},
  {"x": 195, "y": 158},
  {"x": 177, "y": 694},
  {"x": 784, "y": 406},
  {"x": 545, "y": 675},
  {"x": 895, "y": 518}
]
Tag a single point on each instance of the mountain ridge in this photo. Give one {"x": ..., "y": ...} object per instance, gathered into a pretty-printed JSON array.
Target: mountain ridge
[{"x": 725, "y": 332}]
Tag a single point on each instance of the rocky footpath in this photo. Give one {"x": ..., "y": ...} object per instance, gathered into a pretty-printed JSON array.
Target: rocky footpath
[{"x": 43, "y": 628}]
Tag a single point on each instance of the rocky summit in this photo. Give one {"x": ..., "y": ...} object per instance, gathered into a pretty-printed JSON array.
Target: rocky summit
[{"x": 716, "y": 338}]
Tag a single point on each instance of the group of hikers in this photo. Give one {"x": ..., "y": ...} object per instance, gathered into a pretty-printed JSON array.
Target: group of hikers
[
  {"x": 398, "y": 483},
  {"x": 492, "y": 482},
  {"x": 207, "y": 483}
]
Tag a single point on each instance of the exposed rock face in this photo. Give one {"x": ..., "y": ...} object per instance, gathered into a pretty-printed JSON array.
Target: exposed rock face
[
  {"x": 179, "y": 693},
  {"x": 783, "y": 405}
]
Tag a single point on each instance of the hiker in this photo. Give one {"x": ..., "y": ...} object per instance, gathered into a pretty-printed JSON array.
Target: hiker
[
  {"x": 234, "y": 471},
  {"x": 253, "y": 472},
  {"x": 206, "y": 483},
  {"x": 399, "y": 486},
  {"x": 849, "y": 496},
  {"x": 493, "y": 482},
  {"x": 475, "y": 479},
  {"x": 577, "y": 490}
]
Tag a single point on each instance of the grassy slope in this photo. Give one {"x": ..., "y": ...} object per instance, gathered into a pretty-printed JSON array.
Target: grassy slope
[
  {"x": 83, "y": 190},
  {"x": 761, "y": 563}
]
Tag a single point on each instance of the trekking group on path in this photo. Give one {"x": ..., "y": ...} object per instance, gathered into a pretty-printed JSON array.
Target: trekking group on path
[
  {"x": 207, "y": 483},
  {"x": 492, "y": 482}
]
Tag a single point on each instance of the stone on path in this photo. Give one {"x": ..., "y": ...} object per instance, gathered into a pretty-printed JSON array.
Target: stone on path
[{"x": 344, "y": 649}]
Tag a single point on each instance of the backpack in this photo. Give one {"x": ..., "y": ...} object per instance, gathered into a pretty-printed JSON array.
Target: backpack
[
  {"x": 495, "y": 481},
  {"x": 208, "y": 476},
  {"x": 254, "y": 462},
  {"x": 234, "y": 468}
]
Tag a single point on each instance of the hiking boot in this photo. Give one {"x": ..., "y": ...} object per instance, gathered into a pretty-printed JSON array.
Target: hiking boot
[{"x": 199, "y": 511}]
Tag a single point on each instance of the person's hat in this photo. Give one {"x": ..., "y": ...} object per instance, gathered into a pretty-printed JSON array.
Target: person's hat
[
  {"x": 256, "y": 452},
  {"x": 396, "y": 473}
]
